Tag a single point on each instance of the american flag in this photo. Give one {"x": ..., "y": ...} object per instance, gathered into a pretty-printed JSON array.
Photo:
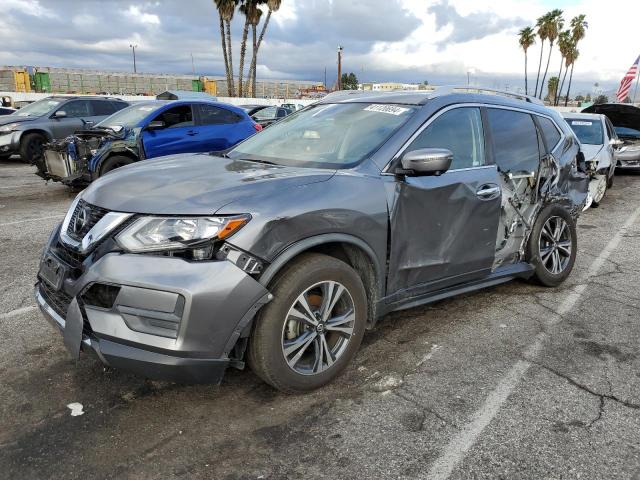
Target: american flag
[{"x": 627, "y": 80}]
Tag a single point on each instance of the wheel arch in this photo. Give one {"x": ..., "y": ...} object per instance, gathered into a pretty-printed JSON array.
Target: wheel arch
[
  {"x": 97, "y": 167},
  {"x": 40, "y": 131},
  {"x": 352, "y": 250}
]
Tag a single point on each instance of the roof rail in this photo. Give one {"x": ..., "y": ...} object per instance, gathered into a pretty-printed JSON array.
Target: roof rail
[{"x": 490, "y": 91}]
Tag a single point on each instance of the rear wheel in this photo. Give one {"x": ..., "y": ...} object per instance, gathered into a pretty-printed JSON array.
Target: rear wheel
[
  {"x": 32, "y": 148},
  {"x": 114, "y": 162},
  {"x": 313, "y": 327},
  {"x": 552, "y": 246}
]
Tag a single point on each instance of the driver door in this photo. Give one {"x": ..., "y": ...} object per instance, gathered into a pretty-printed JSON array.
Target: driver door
[
  {"x": 178, "y": 135},
  {"x": 77, "y": 113},
  {"x": 443, "y": 228}
]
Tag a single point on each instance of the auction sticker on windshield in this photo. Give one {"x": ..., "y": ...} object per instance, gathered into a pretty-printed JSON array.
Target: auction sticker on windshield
[
  {"x": 581, "y": 123},
  {"x": 390, "y": 109}
]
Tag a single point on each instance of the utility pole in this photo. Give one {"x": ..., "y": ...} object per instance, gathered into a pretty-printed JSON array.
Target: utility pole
[
  {"x": 339, "y": 67},
  {"x": 635, "y": 91},
  {"x": 468, "y": 78},
  {"x": 193, "y": 65},
  {"x": 325, "y": 78},
  {"x": 133, "y": 47}
]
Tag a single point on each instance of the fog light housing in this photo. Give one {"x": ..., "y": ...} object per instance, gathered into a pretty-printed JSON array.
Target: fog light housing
[{"x": 100, "y": 295}]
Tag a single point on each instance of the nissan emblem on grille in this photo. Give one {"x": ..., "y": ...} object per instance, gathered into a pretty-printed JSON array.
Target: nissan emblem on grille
[{"x": 80, "y": 220}]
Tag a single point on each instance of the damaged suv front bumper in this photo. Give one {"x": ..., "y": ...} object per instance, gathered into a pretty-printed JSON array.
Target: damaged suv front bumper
[{"x": 153, "y": 315}]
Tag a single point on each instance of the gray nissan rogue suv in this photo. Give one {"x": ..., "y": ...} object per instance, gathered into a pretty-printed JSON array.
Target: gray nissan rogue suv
[{"x": 283, "y": 251}]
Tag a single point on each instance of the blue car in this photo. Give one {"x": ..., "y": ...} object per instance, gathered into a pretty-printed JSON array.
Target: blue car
[{"x": 146, "y": 130}]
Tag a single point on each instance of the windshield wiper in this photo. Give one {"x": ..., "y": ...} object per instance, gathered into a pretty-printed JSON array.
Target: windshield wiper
[{"x": 266, "y": 162}]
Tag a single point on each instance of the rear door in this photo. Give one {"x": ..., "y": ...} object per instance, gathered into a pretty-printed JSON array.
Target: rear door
[
  {"x": 443, "y": 228},
  {"x": 217, "y": 127},
  {"x": 177, "y": 136}
]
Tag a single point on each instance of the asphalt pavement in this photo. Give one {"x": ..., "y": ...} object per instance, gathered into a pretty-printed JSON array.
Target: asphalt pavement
[{"x": 517, "y": 381}]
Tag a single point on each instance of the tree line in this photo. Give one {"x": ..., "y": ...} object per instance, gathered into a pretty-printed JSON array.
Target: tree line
[
  {"x": 252, "y": 13},
  {"x": 549, "y": 28}
]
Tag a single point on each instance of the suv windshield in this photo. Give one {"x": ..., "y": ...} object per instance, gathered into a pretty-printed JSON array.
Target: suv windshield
[
  {"x": 39, "y": 108},
  {"x": 330, "y": 136},
  {"x": 588, "y": 132},
  {"x": 130, "y": 116}
]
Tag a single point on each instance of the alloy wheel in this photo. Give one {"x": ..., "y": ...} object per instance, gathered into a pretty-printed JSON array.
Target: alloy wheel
[
  {"x": 555, "y": 245},
  {"x": 318, "y": 328}
]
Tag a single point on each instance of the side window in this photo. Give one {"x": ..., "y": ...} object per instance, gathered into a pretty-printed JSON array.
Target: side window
[
  {"x": 458, "y": 130},
  {"x": 176, "y": 117},
  {"x": 117, "y": 106},
  {"x": 550, "y": 132},
  {"x": 102, "y": 108},
  {"x": 77, "y": 108},
  {"x": 211, "y": 115},
  {"x": 265, "y": 114},
  {"x": 515, "y": 140},
  {"x": 611, "y": 133}
]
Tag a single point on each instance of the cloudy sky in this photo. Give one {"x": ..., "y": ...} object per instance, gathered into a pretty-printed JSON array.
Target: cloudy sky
[{"x": 384, "y": 40}]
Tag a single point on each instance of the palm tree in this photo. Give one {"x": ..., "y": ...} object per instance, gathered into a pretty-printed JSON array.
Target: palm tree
[
  {"x": 555, "y": 22},
  {"x": 578, "y": 31},
  {"x": 541, "y": 25},
  {"x": 248, "y": 8},
  {"x": 273, "y": 6},
  {"x": 573, "y": 56},
  {"x": 222, "y": 37},
  {"x": 565, "y": 43},
  {"x": 254, "y": 21},
  {"x": 552, "y": 88},
  {"x": 527, "y": 38},
  {"x": 226, "y": 10}
]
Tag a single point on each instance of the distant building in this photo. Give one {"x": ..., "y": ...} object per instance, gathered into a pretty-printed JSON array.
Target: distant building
[{"x": 390, "y": 86}]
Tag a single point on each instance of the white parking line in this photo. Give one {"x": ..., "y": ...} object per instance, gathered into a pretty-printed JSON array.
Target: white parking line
[
  {"x": 17, "y": 311},
  {"x": 22, "y": 185},
  {"x": 17, "y": 222},
  {"x": 462, "y": 442}
]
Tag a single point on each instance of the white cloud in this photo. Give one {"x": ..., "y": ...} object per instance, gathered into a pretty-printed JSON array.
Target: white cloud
[{"x": 142, "y": 17}]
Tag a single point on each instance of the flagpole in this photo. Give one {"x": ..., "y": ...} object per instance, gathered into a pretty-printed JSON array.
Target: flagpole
[{"x": 635, "y": 92}]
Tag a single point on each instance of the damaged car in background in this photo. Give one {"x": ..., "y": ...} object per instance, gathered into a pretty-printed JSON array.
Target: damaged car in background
[
  {"x": 599, "y": 144},
  {"x": 280, "y": 253},
  {"x": 145, "y": 130},
  {"x": 626, "y": 123}
]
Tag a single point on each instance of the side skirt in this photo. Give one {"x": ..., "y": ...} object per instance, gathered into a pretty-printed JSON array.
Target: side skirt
[{"x": 501, "y": 275}]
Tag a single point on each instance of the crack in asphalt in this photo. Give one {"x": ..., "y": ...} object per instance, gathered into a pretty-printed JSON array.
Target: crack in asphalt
[{"x": 575, "y": 383}]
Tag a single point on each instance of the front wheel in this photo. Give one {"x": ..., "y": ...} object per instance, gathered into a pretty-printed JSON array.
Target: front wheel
[
  {"x": 114, "y": 162},
  {"x": 312, "y": 328},
  {"x": 599, "y": 190},
  {"x": 552, "y": 246}
]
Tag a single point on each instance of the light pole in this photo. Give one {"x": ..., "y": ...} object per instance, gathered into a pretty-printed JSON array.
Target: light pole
[
  {"x": 339, "y": 67},
  {"x": 133, "y": 47}
]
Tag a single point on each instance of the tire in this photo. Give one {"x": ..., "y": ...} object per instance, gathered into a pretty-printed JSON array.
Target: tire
[
  {"x": 599, "y": 196},
  {"x": 114, "y": 162},
  {"x": 275, "y": 327},
  {"x": 610, "y": 179},
  {"x": 540, "y": 244},
  {"x": 31, "y": 149}
]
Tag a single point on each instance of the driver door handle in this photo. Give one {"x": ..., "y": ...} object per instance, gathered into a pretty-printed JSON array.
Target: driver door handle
[
  {"x": 488, "y": 191},
  {"x": 191, "y": 133}
]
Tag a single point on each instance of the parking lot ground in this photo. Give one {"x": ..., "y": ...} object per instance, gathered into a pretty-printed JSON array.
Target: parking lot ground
[{"x": 517, "y": 381}]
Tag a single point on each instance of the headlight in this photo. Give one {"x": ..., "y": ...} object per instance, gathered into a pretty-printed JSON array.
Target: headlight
[
  {"x": 8, "y": 128},
  {"x": 152, "y": 234}
]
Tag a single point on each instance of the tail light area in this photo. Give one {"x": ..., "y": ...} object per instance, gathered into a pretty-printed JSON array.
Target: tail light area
[{"x": 258, "y": 127}]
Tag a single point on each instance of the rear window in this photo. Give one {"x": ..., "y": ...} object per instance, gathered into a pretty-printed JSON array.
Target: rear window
[
  {"x": 101, "y": 108},
  {"x": 550, "y": 132},
  {"x": 212, "y": 115},
  {"x": 515, "y": 141}
]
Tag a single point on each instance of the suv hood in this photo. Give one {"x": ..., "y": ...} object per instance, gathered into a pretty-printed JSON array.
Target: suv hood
[
  {"x": 590, "y": 151},
  {"x": 620, "y": 114},
  {"x": 193, "y": 184},
  {"x": 7, "y": 119}
]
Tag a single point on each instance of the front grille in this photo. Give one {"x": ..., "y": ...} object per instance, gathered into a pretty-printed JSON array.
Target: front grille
[
  {"x": 60, "y": 301},
  {"x": 91, "y": 215}
]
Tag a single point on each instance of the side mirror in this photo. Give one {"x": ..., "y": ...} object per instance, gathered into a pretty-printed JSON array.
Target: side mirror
[
  {"x": 426, "y": 161},
  {"x": 60, "y": 114},
  {"x": 155, "y": 125}
]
